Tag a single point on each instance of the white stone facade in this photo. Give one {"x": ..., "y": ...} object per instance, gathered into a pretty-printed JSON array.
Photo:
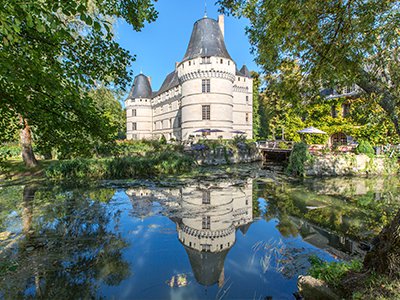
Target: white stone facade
[{"x": 206, "y": 94}]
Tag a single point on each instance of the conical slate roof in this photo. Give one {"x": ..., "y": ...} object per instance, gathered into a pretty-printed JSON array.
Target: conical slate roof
[
  {"x": 207, "y": 266},
  {"x": 206, "y": 40},
  {"x": 141, "y": 88},
  {"x": 245, "y": 71}
]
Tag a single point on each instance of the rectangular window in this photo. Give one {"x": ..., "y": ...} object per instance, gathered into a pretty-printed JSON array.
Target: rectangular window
[
  {"x": 345, "y": 110},
  {"x": 134, "y": 126},
  {"x": 206, "y": 222},
  {"x": 333, "y": 111},
  {"x": 247, "y": 117},
  {"x": 206, "y": 247},
  {"x": 134, "y": 112},
  {"x": 205, "y": 60},
  {"x": 247, "y": 99},
  {"x": 205, "y": 110},
  {"x": 205, "y": 85},
  {"x": 206, "y": 197}
]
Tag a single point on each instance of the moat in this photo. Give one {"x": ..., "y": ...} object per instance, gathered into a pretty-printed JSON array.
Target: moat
[{"x": 232, "y": 238}]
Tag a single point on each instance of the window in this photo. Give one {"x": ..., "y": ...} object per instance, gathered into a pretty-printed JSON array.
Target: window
[
  {"x": 206, "y": 222},
  {"x": 333, "y": 111},
  {"x": 205, "y": 110},
  {"x": 229, "y": 63},
  {"x": 205, "y": 247},
  {"x": 134, "y": 136},
  {"x": 205, "y": 85},
  {"x": 222, "y": 61},
  {"x": 206, "y": 197},
  {"x": 134, "y": 112},
  {"x": 190, "y": 63},
  {"x": 170, "y": 107},
  {"x": 247, "y": 99},
  {"x": 205, "y": 60},
  {"x": 345, "y": 109},
  {"x": 134, "y": 126},
  {"x": 238, "y": 78},
  {"x": 247, "y": 117}
]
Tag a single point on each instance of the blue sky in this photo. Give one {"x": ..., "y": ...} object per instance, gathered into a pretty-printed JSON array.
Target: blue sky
[{"x": 162, "y": 43}]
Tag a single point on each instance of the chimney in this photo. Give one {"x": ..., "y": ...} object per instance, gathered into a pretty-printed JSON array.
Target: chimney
[{"x": 221, "y": 24}]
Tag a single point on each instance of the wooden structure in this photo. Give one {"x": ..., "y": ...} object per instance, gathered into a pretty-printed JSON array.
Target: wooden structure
[{"x": 275, "y": 150}]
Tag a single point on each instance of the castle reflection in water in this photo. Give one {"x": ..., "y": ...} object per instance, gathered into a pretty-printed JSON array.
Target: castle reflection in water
[{"x": 206, "y": 217}]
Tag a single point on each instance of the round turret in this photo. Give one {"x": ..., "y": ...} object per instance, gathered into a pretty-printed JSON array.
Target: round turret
[
  {"x": 207, "y": 74},
  {"x": 138, "y": 109}
]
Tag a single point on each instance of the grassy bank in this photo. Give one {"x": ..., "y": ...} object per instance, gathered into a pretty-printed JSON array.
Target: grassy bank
[
  {"x": 149, "y": 166},
  {"x": 350, "y": 281}
]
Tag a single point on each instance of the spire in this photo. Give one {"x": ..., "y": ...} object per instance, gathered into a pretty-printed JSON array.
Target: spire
[{"x": 205, "y": 8}]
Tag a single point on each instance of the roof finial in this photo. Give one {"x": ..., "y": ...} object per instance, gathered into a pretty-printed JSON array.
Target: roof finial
[
  {"x": 205, "y": 8},
  {"x": 141, "y": 70}
]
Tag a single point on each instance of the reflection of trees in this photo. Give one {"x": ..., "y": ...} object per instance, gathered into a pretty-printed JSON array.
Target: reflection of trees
[
  {"x": 67, "y": 249},
  {"x": 356, "y": 215}
]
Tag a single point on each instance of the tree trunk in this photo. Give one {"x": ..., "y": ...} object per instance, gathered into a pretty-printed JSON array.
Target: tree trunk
[
  {"x": 26, "y": 144},
  {"x": 384, "y": 257}
]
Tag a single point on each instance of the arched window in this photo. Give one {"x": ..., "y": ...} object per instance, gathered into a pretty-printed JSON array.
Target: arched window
[{"x": 338, "y": 139}]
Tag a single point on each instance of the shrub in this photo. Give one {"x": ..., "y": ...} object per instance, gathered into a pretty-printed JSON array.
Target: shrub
[
  {"x": 9, "y": 151},
  {"x": 156, "y": 164},
  {"x": 364, "y": 147},
  {"x": 297, "y": 159},
  {"x": 332, "y": 272}
]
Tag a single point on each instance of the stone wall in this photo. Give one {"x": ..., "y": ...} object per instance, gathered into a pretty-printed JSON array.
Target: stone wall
[
  {"x": 223, "y": 156},
  {"x": 350, "y": 164}
]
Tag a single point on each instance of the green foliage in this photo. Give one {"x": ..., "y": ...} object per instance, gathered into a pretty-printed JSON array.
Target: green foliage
[
  {"x": 8, "y": 151},
  {"x": 332, "y": 272},
  {"x": 163, "y": 139},
  {"x": 327, "y": 40},
  {"x": 53, "y": 55},
  {"x": 157, "y": 164},
  {"x": 297, "y": 159},
  {"x": 364, "y": 147}
]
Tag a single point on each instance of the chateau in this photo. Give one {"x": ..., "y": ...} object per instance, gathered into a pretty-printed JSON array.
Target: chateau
[{"x": 206, "y": 94}]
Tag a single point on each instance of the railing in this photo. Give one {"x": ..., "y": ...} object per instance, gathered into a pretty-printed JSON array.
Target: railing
[{"x": 278, "y": 145}]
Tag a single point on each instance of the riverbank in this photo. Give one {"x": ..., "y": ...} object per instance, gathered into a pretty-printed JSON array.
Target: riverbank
[
  {"x": 350, "y": 164},
  {"x": 346, "y": 280}
]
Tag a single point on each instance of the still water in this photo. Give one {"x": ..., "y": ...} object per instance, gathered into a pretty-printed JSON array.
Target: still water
[{"x": 225, "y": 239}]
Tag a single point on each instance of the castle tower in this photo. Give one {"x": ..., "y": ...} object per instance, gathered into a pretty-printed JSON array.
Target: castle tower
[
  {"x": 207, "y": 74},
  {"x": 138, "y": 109}
]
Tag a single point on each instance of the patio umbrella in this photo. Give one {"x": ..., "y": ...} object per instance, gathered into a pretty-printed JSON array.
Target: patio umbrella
[
  {"x": 238, "y": 132},
  {"x": 312, "y": 130},
  {"x": 202, "y": 130}
]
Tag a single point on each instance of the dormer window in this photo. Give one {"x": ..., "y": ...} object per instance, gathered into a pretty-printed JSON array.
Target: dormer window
[{"x": 205, "y": 60}]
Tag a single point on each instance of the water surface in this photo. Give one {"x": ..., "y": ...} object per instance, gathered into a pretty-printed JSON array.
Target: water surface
[{"x": 229, "y": 239}]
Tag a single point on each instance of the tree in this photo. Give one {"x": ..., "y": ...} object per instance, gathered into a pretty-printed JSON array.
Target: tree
[
  {"x": 52, "y": 54},
  {"x": 336, "y": 42},
  {"x": 260, "y": 121}
]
